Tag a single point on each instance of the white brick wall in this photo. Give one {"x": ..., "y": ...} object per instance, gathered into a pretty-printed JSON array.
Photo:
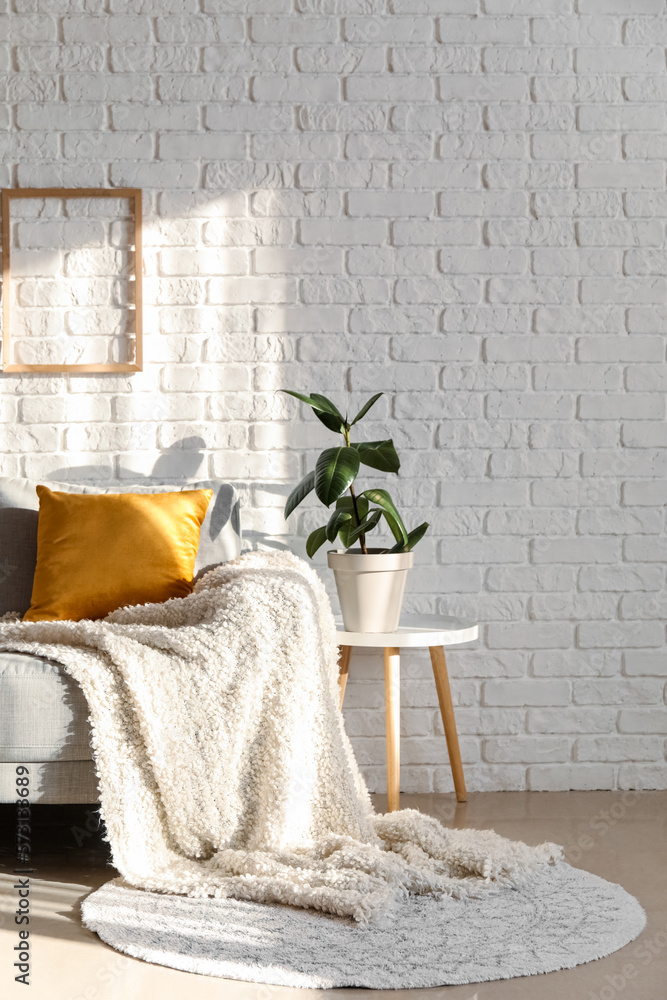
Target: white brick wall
[{"x": 459, "y": 202}]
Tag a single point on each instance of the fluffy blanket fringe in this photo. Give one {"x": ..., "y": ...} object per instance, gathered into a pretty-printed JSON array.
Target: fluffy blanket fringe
[{"x": 223, "y": 761}]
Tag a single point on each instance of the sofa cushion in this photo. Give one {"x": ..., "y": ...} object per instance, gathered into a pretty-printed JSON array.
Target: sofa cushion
[
  {"x": 43, "y": 713},
  {"x": 219, "y": 540},
  {"x": 99, "y": 553}
]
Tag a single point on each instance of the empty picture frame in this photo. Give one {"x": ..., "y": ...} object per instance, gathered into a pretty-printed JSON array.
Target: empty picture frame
[{"x": 59, "y": 293}]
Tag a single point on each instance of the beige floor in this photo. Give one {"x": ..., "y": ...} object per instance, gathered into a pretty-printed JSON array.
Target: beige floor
[{"x": 619, "y": 836}]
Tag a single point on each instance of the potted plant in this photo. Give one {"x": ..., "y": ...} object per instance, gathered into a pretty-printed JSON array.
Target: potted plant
[{"x": 370, "y": 581}]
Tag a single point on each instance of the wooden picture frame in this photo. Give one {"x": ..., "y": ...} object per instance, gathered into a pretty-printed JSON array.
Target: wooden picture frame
[{"x": 11, "y": 194}]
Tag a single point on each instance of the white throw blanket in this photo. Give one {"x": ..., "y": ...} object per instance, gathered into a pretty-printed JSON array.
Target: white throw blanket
[{"x": 223, "y": 761}]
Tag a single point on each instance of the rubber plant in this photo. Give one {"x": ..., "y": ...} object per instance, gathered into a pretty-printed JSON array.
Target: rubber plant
[{"x": 354, "y": 515}]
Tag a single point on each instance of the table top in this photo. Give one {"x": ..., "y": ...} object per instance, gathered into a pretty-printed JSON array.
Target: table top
[{"x": 414, "y": 631}]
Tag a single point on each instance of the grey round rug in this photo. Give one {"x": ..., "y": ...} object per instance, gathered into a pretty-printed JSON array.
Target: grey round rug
[{"x": 562, "y": 918}]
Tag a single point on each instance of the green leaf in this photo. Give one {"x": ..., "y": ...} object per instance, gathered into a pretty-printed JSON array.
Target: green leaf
[
  {"x": 333, "y": 423},
  {"x": 347, "y": 503},
  {"x": 316, "y": 540},
  {"x": 414, "y": 536},
  {"x": 366, "y": 525},
  {"x": 366, "y": 407},
  {"x": 344, "y": 533},
  {"x": 327, "y": 406},
  {"x": 379, "y": 455},
  {"x": 317, "y": 401},
  {"x": 306, "y": 486},
  {"x": 393, "y": 524},
  {"x": 337, "y": 519},
  {"x": 335, "y": 470},
  {"x": 299, "y": 395},
  {"x": 383, "y": 500},
  {"x": 325, "y": 410}
]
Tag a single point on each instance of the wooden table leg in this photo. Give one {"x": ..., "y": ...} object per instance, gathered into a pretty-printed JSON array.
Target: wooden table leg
[
  {"x": 392, "y": 693},
  {"x": 449, "y": 722},
  {"x": 344, "y": 653}
]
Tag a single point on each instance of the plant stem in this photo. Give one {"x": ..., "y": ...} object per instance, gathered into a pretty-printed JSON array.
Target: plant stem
[{"x": 362, "y": 538}]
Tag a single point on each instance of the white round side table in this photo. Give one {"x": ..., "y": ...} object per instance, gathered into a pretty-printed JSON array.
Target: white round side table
[{"x": 415, "y": 631}]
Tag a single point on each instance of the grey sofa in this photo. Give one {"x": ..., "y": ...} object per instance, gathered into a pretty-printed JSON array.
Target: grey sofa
[{"x": 43, "y": 714}]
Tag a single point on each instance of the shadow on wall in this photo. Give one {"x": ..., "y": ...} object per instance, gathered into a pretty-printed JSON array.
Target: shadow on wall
[
  {"x": 181, "y": 461},
  {"x": 178, "y": 464},
  {"x": 263, "y": 540},
  {"x": 257, "y": 539}
]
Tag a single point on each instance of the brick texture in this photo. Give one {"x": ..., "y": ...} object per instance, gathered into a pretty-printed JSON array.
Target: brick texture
[{"x": 461, "y": 203}]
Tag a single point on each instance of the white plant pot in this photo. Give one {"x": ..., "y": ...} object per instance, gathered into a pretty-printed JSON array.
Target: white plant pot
[{"x": 370, "y": 587}]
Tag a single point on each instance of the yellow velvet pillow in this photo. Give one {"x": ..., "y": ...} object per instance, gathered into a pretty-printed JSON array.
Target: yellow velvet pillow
[{"x": 96, "y": 553}]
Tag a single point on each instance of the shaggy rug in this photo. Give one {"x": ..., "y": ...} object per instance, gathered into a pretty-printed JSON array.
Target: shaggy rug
[{"x": 561, "y": 918}]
